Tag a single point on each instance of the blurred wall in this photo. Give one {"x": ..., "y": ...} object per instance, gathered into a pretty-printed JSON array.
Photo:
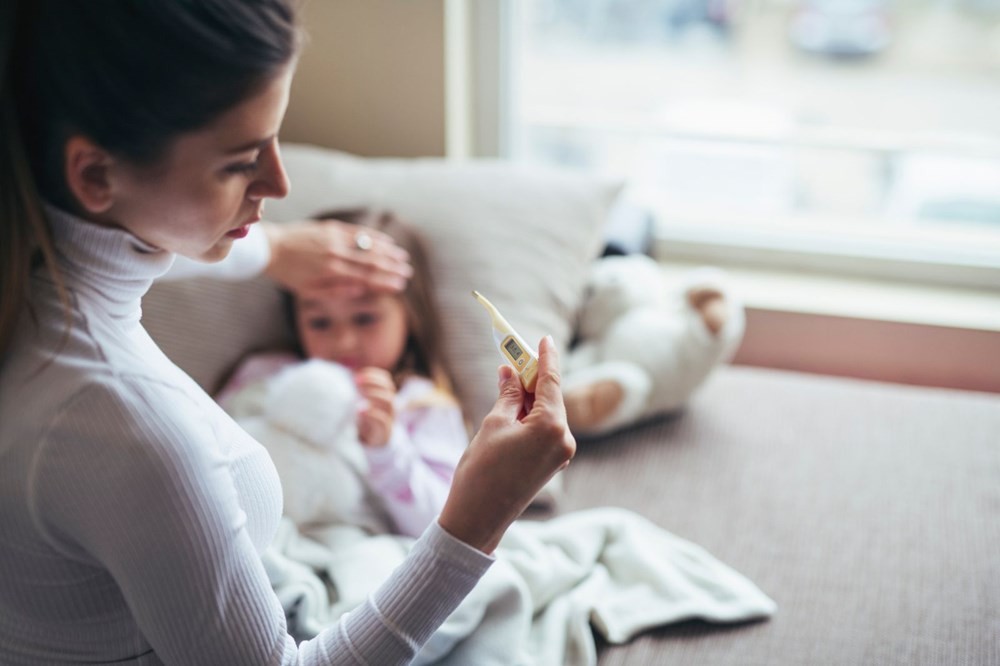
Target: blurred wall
[{"x": 371, "y": 80}]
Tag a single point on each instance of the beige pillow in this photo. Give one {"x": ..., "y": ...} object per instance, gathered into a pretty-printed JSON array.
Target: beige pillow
[
  {"x": 207, "y": 326},
  {"x": 524, "y": 237}
]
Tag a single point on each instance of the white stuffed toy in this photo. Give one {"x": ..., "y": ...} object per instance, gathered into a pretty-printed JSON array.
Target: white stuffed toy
[
  {"x": 643, "y": 345},
  {"x": 305, "y": 417}
]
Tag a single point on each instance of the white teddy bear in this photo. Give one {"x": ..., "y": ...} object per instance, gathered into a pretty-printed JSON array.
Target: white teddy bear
[
  {"x": 644, "y": 346},
  {"x": 305, "y": 417}
]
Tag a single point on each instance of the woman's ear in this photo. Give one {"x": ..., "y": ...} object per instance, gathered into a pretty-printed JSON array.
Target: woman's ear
[{"x": 88, "y": 174}]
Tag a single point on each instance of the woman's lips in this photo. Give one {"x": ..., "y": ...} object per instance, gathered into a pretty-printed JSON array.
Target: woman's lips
[{"x": 244, "y": 229}]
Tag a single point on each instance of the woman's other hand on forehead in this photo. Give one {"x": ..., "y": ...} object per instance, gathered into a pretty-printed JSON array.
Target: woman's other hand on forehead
[{"x": 330, "y": 259}]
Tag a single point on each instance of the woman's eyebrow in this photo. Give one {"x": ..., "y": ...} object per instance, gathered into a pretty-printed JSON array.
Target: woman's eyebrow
[{"x": 253, "y": 145}]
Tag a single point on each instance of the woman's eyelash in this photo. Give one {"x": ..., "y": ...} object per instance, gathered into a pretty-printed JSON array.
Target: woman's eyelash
[{"x": 243, "y": 167}]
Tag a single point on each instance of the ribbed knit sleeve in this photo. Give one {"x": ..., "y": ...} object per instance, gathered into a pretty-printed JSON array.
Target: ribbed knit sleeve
[
  {"x": 131, "y": 478},
  {"x": 437, "y": 574}
]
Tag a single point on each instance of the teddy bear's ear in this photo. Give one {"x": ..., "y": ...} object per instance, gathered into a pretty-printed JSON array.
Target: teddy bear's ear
[{"x": 316, "y": 401}]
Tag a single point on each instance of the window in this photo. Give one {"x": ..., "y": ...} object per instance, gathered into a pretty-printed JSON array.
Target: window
[{"x": 850, "y": 135}]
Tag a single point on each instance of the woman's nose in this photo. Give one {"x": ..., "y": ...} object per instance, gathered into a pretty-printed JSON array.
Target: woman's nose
[{"x": 272, "y": 180}]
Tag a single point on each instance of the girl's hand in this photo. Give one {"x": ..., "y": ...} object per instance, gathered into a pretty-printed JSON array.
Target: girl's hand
[
  {"x": 523, "y": 442},
  {"x": 313, "y": 258},
  {"x": 375, "y": 421}
]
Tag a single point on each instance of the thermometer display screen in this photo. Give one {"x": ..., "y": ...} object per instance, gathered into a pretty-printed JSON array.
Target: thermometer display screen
[{"x": 513, "y": 349}]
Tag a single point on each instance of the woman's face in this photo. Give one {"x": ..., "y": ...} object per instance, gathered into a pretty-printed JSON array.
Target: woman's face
[
  {"x": 212, "y": 183},
  {"x": 368, "y": 331}
]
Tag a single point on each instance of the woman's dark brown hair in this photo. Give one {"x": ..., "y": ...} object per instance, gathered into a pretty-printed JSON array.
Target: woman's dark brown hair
[
  {"x": 131, "y": 76},
  {"x": 424, "y": 351}
]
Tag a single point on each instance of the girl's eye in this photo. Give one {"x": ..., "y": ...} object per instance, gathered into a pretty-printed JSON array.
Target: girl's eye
[
  {"x": 365, "y": 319},
  {"x": 318, "y": 324}
]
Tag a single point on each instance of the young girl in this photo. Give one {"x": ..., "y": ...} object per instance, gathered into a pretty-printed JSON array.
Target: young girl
[{"x": 407, "y": 434}]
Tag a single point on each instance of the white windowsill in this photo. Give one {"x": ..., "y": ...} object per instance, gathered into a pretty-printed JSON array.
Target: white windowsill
[{"x": 862, "y": 298}]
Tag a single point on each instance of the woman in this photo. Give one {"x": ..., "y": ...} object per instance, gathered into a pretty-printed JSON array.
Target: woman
[{"x": 132, "y": 510}]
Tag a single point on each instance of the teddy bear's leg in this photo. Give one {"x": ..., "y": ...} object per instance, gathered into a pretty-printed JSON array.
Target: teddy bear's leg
[
  {"x": 711, "y": 304},
  {"x": 588, "y": 405},
  {"x": 706, "y": 290},
  {"x": 679, "y": 344},
  {"x": 603, "y": 397},
  {"x": 705, "y": 332}
]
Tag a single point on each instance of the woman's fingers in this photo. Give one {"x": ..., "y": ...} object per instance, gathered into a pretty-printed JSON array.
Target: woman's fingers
[
  {"x": 380, "y": 262},
  {"x": 515, "y": 401},
  {"x": 384, "y": 251},
  {"x": 310, "y": 257},
  {"x": 510, "y": 403},
  {"x": 548, "y": 390},
  {"x": 510, "y": 458},
  {"x": 368, "y": 268}
]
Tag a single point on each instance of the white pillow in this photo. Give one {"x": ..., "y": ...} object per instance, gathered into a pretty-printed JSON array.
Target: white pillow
[{"x": 524, "y": 237}]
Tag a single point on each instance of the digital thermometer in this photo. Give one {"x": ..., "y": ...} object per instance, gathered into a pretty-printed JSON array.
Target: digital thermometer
[{"x": 512, "y": 347}]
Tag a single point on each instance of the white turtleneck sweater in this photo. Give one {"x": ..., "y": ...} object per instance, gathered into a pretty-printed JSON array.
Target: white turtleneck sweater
[{"x": 133, "y": 510}]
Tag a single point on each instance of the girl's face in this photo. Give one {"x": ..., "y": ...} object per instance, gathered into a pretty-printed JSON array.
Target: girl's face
[
  {"x": 368, "y": 331},
  {"x": 212, "y": 183}
]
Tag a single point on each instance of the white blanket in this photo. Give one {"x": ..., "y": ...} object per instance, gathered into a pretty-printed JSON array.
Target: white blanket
[{"x": 609, "y": 569}]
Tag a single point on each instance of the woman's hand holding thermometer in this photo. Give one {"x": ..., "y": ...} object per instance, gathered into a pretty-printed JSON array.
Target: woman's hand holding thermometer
[
  {"x": 512, "y": 346},
  {"x": 523, "y": 441}
]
